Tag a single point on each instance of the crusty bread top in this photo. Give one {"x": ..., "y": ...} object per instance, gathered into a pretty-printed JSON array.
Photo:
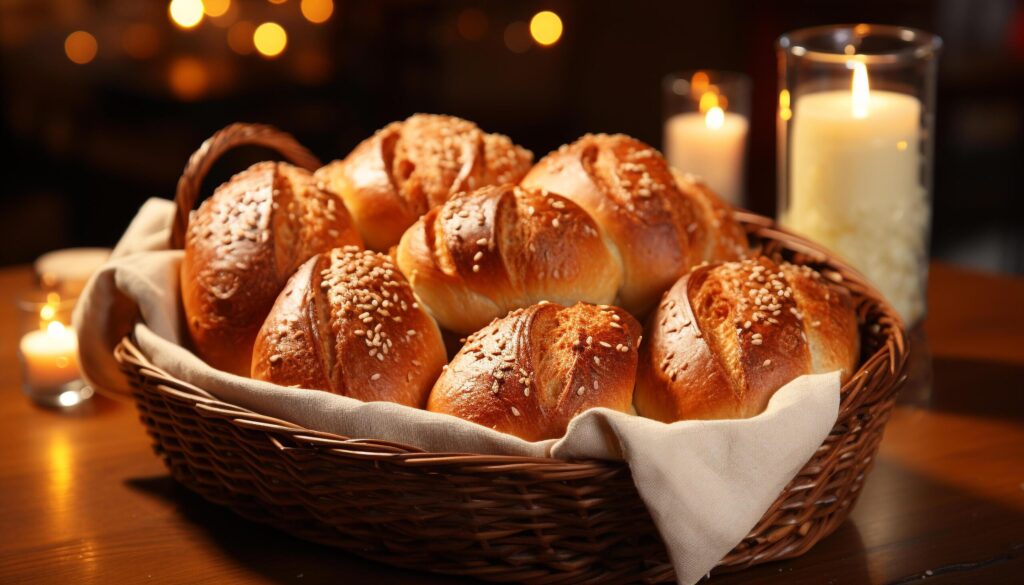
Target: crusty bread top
[
  {"x": 495, "y": 249},
  {"x": 347, "y": 322},
  {"x": 725, "y": 337},
  {"x": 242, "y": 245},
  {"x": 409, "y": 167},
  {"x": 530, "y": 372},
  {"x": 660, "y": 228}
]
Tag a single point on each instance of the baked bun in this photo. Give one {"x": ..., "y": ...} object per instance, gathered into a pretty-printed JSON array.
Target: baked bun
[
  {"x": 529, "y": 373},
  {"x": 242, "y": 245},
  {"x": 727, "y": 336},
  {"x": 495, "y": 249},
  {"x": 409, "y": 167},
  {"x": 661, "y": 227},
  {"x": 347, "y": 323}
]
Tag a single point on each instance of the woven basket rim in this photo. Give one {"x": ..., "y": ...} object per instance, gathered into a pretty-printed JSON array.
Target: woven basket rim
[{"x": 893, "y": 350}]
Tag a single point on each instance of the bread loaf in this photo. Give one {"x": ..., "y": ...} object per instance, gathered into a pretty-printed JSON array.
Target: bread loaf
[
  {"x": 242, "y": 245},
  {"x": 530, "y": 372},
  {"x": 725, "y": 337},
  {"x": 347, "y": 323},
  {"x": 661, "y": 223},
  {"x": 409, "y": 167},
  {"x": 484, "y": 253}
]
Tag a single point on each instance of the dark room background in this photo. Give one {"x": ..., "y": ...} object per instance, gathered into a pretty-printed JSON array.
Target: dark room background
[{"x": 85, "y": 143}]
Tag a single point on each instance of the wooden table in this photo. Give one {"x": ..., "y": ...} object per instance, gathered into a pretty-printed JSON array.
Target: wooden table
[{"x": 84, "y": 500}]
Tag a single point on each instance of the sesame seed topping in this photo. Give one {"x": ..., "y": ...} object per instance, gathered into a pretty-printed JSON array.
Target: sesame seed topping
[{"x": 375, "y": 377}]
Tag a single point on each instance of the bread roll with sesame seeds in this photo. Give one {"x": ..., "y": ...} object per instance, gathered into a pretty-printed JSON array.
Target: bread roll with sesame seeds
[
  {"x": 495, "y": 249},
  {"x": 347, "y": 322},
  {"x": 409, "y": 167},
  {"x": 242, "y": 245},
  {"x": 662, "y": 223},
  {"x": 726, "y": 337},
  {"x": 529, "y": 373}
]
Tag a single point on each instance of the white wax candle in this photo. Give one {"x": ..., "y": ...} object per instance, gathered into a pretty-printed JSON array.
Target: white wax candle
[
  {"x": 855, "y": 186},
  {"x": 710, "y": 147},
  {"x": 50, "y": 356}
]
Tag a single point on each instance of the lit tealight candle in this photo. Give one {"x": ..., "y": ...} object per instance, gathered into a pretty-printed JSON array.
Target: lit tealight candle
[
  {"x": 710, "y": 143},
  {"x": 50, "y": 356}
]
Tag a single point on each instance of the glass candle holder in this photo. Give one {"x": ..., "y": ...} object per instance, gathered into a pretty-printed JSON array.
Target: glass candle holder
[
  {"x": 855, "y": 127},
  {"x": 48, "y": 352},
  {"x": 706, "y": 121}
]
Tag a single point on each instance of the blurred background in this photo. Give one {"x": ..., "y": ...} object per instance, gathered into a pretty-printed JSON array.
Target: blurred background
[{"x": 101, "y": 102}]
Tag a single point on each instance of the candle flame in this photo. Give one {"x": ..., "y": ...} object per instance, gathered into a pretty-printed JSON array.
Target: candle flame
[
  {"x": 48, "y": 312},
  {"x": 714, "y": 118},
  {"x": 708, "y": 100},
  {"x": 861, "y": 90},
  {"x": 55, "y": 328},
  {"x": 784, "y": 111}
]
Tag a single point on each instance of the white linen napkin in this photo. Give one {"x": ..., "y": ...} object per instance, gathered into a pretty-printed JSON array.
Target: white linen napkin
[{"x": 705, "y": 483}]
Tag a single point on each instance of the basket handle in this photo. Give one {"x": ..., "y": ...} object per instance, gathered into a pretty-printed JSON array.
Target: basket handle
[{"x": 238, "y": 134}]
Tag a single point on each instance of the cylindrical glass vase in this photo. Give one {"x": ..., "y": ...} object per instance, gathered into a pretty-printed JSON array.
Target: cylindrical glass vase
[{"x": 856, "y": 132}]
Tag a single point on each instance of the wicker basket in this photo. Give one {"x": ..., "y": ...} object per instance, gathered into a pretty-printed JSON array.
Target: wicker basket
[{"x": 497, "y": 518}]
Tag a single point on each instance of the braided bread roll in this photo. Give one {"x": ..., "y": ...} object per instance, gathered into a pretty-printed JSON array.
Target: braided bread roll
[
  {"x": 409, "y": 167},
  {"x": 242, "y": 245},
  {"x": 662, "y": 223},
  {"x": 727, "y": 336},
  {"x": 495, "y": 249},
  {"x": 348, "y": 323},
  {"x": 529, "y": 373}
]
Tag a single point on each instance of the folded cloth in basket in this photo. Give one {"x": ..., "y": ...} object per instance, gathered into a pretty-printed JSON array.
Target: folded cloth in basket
[{"x": 705, "y": 483}]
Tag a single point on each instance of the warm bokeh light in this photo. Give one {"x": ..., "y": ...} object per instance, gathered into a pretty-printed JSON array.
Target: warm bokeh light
[
  {"x": 317, "y": 11},
  {"x": 784, "y": 111},
  {"x": 861, "y": 90},
  {"x": 240, "y": 37},
  {"x": 714, "y": 118},
  {"x": 186, "y": 13},
  {"x": 188, "y": 78},
  {"x": 707, "y": 101},
  {"x": 901, "y": 145},
  {"x": 472, "y": 24},
  {"x": 216, "y": 8},
  {"x": 699, "y": 83},
  {"x": 140, "y": 41},
  {"x": 517, "y": 37},
  {"x": 270, "y": 39},
  {"x": 80, "y": 47},
  {"x": 546, "y": 28},
  {"x": 277, "y": 1}
]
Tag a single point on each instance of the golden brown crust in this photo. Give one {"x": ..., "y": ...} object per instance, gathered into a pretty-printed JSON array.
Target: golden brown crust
[
  {"x": 242, "y": 245},
  {"x": 726, "y": 337},
  {"x": 495, "y": 249},
  {"x": 529, "y": 373},
  {"x": 348, "y": 323},
  {"x": 660, "y": 228},
  {"x": 410, "y": 167}
]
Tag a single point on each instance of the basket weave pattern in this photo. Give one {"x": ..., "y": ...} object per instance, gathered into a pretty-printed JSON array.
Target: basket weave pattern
[{"x": 501, "y": 518}]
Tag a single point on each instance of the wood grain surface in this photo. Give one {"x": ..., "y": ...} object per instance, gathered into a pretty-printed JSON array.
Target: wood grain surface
[{"x": 84, "y": 500}]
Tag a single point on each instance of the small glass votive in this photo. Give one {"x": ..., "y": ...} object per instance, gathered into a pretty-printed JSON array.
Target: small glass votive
[
  {"x": 48, "y": 352},
  {"x": 855, "y": 127},
  {"x": 706, "y": 122}
]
